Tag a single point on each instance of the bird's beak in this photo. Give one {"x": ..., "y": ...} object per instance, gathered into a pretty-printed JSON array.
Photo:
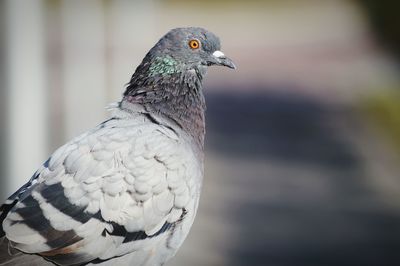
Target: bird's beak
[{"x": 222, "y": 60}]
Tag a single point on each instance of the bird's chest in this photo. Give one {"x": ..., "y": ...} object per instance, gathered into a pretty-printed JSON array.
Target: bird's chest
[{"x": 157, "y": 162}]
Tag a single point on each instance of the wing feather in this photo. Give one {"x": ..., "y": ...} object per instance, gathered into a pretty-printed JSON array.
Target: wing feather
[{"x": 108, "y": 192}]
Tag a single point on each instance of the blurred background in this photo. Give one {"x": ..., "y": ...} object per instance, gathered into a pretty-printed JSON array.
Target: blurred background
[{"x": 303, "y": 139}]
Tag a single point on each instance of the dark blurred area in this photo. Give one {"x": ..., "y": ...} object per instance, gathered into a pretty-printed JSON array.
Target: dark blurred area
[
  {"x": 303, "y": 139},
  {"x": 293, "y": 128},
  {"x": 385, "y": 20}
]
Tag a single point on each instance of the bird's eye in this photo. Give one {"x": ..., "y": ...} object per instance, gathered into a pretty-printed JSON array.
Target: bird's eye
[{"x": 194, "y": 44}]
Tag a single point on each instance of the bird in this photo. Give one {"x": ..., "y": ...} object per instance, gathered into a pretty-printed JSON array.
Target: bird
[{"x": 127, "y": 191}]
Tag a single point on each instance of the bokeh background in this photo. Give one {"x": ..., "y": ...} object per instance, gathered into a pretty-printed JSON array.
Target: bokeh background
[{"x": 303, "y": 139}]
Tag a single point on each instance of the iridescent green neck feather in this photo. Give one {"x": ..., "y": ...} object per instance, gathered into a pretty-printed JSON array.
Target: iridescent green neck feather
[{"x": 163, "y": 65}]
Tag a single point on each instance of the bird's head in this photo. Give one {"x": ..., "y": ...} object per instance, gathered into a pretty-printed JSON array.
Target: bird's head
[
  {"x": 168, "y": 82},
  {"x": 187, "y": 48}
]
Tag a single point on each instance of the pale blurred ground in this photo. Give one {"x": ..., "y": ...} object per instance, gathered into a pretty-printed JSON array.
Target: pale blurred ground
[{"x": 296, "y": 175}]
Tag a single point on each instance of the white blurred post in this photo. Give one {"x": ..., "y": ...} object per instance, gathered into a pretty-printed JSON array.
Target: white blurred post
[
  {"x": 26, "y": 123},
  {"x": 84, "y": 64}
]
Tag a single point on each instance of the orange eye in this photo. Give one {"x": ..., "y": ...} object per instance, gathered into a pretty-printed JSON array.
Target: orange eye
[{"x": 194, "y": 44}]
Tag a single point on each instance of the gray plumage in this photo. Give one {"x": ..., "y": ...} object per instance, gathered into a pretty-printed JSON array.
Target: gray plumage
[{"x": 127, "y": 191}]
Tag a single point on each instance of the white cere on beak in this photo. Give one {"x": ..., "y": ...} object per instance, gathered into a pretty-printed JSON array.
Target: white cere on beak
[{"x": 218, "y": 54}]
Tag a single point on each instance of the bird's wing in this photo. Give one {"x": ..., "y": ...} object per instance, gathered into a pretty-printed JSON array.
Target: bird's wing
[{"x": 104, "y": 194}]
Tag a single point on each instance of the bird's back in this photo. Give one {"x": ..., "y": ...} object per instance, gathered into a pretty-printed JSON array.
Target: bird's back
[{"x": 130, "y": 186}]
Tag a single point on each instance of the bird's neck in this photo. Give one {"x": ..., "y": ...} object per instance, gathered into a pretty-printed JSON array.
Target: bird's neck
[{"x": 175, "y": 94}]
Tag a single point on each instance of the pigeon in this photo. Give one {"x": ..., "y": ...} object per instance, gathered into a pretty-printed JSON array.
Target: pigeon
[{"x": 125, "y": 192}]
